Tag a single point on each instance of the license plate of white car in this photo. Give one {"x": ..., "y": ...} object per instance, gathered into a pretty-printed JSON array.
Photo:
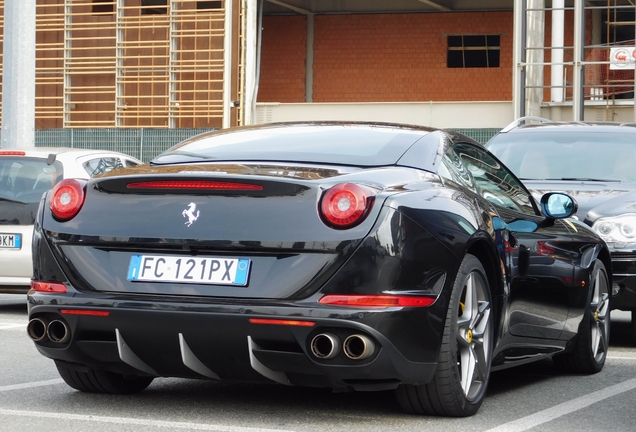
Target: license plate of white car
[
  {"x": 180, "y": 269},
  {"x": 10, "y": 241}
]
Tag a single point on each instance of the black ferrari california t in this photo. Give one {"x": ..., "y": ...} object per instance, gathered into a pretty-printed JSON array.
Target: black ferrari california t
[{"x": 350, "y": 256}]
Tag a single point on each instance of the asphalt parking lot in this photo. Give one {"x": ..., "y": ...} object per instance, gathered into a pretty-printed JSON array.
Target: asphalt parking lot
[{"x": 529, "y": 398}]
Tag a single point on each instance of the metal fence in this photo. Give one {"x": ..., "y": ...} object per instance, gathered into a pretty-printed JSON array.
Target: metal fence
[
  {"x": 146, "y": 143},
  {"x": 143, "y": 143},
  {"x": 480, "y": 135}
]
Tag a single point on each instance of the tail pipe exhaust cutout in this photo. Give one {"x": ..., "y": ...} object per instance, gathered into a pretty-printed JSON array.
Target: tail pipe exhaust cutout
[
  {"x": 358, "y": 347},
  {"x": 58, "y": 332},
  {"x": 36, "y": 329},
  {"x": 325, "y": 346}
]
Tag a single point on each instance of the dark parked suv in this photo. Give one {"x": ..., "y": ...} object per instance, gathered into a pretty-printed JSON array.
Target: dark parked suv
[{"x": 596, "y": 164}]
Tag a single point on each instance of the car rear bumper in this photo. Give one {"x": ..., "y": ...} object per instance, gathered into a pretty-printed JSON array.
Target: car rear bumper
[{"x": 221, "y": 341}]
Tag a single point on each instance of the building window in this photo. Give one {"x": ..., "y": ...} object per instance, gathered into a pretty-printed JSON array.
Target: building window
[
  {"x": 474, "y": 51},
  {"x": 209, "y": 5},
  {"x": 103, "y": 6},
  {"x": 147, "y": 8}
]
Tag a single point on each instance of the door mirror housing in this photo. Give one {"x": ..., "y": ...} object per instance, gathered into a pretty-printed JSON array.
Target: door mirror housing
[{"x": 558, "y": 205}]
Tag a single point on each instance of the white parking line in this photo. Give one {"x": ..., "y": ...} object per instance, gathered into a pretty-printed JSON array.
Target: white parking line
[
  {"x": 6, "y": 326},
  {"x": 565, "y": 408},
  {"x": 519, "y": 425},
  {"x": 136, "y": 422},
  {"x": 31, "y": 385},
  {"x": 620, "y": 358}
]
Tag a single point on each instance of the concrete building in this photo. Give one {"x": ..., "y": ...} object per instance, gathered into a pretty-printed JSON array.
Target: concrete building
[{"x": 445, "y": 63}]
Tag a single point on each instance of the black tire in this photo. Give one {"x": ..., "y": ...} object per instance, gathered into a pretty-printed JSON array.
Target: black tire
[
  {"x": 592, "y": 341},
  {"x": 459, "y": 385},
  {"x": 98, "y": 381}
]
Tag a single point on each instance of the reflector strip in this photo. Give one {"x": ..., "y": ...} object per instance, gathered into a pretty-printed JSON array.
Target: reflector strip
[
  {"x": 48, "y": 287},
  {"x": 84, "y": 312},
  {"x": 193, "y": 184},
  {"x": 12, "y": 153},
  {"x": 282, "y": 322},
  {"x": 543, "y": 248},
  {"x": 376, "y": 301}
]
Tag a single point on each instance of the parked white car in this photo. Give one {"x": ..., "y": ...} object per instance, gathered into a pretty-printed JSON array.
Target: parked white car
[{"x": 24, "y": 176}]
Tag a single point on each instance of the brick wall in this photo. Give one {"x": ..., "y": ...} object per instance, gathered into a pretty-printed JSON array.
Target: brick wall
[
  {"x": 402, "y": 57},
  {"x": 283, "y": 59},
  {"x": 381, "y": 58},
  {"x": 385, "y": 58}
]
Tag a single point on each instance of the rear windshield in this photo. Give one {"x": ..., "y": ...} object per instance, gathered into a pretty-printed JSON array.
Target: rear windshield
[
  {"x": 557, "y": 155},
  {"x": 25, "y": 179},
  {"x": 345, "y": 145}
]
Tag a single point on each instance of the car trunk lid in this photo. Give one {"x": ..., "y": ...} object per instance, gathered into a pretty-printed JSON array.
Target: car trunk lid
[{"x": 266, "y": 219}]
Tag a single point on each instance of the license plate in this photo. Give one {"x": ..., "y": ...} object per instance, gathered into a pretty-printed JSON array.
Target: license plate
[
  {"x": 165, "y": 268},
  {"x": 10, "y": 241}
]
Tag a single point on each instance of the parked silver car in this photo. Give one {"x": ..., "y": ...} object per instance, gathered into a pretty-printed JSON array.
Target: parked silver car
[{"x": 24, "y": 176}]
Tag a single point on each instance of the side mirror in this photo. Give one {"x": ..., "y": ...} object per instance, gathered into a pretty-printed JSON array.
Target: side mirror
[{"x": 557, "y": 205}]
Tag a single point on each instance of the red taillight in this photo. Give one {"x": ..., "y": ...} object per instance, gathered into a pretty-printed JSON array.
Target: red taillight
[
  {"x": 193, "y": 184},
  {"x": 346, "y": 205},
  {"x": 12, "y": 153},
  {"x": 67, "y": 198},
  {"x": 376, "y": 301},
  {"x": 48, "y": 287},
  {"x": 84, "y": 312},
  {"x": 296, "y": 323}
]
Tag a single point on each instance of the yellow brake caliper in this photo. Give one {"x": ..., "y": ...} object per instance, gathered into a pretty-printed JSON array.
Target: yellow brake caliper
[{"x": 469, "y": 334}]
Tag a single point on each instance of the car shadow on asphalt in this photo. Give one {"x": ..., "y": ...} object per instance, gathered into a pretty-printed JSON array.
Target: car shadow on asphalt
[
  {"x": 232, "y": 399},
  {"x": 621, "y": 334},
  {"x": 514, "y": 378}
]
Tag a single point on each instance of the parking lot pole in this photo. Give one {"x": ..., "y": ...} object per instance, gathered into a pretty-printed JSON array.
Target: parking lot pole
[
  {"x": 519, "y": 60},
  {"x": 227, "y": 64},
  {"x": 18, "y": 75},
  {"x": 558, "y": 42},
  {"x": 579, "y": 47}
]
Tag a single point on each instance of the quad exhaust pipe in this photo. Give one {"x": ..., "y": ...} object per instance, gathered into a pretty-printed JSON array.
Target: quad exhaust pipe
[
  {"x": 40, "y": 330},
  {"x": 358, "y": 347},
  {"x": 326, "y": 346}
]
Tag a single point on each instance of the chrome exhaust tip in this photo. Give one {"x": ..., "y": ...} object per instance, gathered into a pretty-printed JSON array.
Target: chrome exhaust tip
[
  {"x": 325, "y": 346},
  {"x": 36, "y": 329},
  {"x": 358, "y": 347},
  {"x": 58, "y": 332}
]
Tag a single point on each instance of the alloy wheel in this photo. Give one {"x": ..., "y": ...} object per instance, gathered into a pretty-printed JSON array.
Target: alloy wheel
[
  {"x": 599, "y": 308},
  {"x": 474, "y": 336}
]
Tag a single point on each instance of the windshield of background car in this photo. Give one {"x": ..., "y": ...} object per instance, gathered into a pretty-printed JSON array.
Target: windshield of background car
[
  {"x": 549, "y": 154},
  {"x": 23, "y": 180},
  {"x": 343, "y": 145}
]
